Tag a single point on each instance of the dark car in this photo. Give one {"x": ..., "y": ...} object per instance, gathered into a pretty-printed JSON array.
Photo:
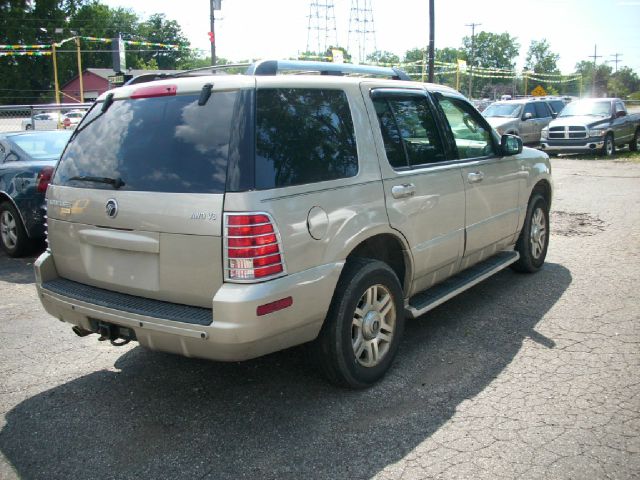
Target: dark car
[{"x": 27, "y": 160}]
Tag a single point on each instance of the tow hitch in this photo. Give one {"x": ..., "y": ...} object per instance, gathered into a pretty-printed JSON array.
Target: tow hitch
[{"x": 117, "y": 335}]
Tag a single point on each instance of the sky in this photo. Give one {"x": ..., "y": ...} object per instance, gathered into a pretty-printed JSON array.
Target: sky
[{"x": 251, "y": 29}]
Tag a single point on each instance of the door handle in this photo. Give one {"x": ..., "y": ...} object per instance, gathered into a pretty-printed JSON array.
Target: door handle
[
  {"x": 403, "y": 191},
  {"x": 475, "y": 177}
]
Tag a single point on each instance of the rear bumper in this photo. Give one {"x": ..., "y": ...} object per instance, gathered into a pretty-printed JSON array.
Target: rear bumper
[{"x": 236, "y": 331}]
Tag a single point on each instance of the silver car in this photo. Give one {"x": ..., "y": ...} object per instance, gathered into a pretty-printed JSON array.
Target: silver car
[{"x": 525, "y": 118}]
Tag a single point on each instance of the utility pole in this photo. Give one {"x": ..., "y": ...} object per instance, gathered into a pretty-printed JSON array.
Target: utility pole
[
  {"x": 213, "y": 5},
  {"x": 473, "y": 34},
  {"x": 432, "y": 22},
  {"x": 595, "y": 57},
  {"x": 616, "y": 61},
  {"x": 55, "y": 72}
]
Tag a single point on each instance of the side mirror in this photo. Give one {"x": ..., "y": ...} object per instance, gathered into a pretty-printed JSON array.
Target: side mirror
[
  {"x": 510, "y": 145},
  {"x": 554, "y": 114},
  {"x": 527, "y": 116},
  {"x": 621, "y": 113}
]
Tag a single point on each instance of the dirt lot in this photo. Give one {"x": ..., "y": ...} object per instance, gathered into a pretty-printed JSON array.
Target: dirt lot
[{"x": 524, "y": 376}]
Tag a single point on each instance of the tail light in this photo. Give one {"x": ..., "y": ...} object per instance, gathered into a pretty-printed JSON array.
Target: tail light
[
  {"x": 253, "y": 250},
  {"x": 66, "y": 123},
  {"x": 44, "y": 177}
]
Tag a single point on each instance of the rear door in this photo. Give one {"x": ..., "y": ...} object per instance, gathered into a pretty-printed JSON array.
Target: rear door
[
  {"x": 136, "y": 202},
  {"x": 424, "y": 191}
]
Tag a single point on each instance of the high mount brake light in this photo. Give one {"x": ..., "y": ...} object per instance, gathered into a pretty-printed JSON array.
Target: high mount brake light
[
  {"x": 253, "y": 250},
  {"x": 155, "y": 91}
]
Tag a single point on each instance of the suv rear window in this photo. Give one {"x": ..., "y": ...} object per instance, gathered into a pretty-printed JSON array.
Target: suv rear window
[
  {"x": 303, "y": 136},
  {"x": 166, "y": 144}
]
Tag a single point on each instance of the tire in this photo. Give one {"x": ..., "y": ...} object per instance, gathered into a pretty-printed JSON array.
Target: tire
[
  {"x": 28, "y": 127},
  {"x": 533, "y": 242},
  {"x": 633, "y": 146},
  {"x": 608, "y": 149},
  {"x": 13, "y": 237},
  {"x": 362, "y": 331}
]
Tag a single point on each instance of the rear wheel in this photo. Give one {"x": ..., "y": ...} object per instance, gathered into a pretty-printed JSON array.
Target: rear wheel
[
  {"x": 28, "y": 126},
  {"x": 633, "y": 146},
  {"x": 360, "y": 337},
  {"x": 13, "y": 236},
  {"x": 608, "y": 148},
  {"x": 534, "y": 238}
]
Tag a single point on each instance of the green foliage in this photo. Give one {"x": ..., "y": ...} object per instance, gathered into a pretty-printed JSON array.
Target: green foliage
[
  {"x": 492, "y": 50},
  {"x": 634, "y": 96},
  {"x": 30, "y": 79},
  {"x": 595, "y": 80},
  {"x": 541, "y": 59},
  {"x": 383, "y": 57},
  {"x": 623, "y": 82}
]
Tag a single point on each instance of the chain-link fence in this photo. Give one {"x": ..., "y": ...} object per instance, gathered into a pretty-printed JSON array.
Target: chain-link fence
[{"x": 41, "y": 117}]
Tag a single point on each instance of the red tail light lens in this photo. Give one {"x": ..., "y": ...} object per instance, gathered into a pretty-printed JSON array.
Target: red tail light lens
[
  {"x": 66, "y": 123},
  {"x": 44, "y": 177},
  {"x": 253, "y": 250}
]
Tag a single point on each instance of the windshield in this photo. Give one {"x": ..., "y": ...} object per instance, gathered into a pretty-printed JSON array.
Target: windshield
[
  {"x": 42, "y": 145},
  {"x": 163, "y": 144},
  {"x": 503, "y": 110},
  {"x": 601, "y": 109}
]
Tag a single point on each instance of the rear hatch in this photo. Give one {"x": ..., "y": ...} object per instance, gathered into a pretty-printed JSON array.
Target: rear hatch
[{"x": 136, "y": 202}]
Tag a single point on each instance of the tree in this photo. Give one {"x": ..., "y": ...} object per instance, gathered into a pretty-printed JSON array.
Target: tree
[
  {"x": 157, "y": 29},
  {"x": 623, "y": 82},
  {"x": 595, "y": 78},
  {"x": 491, "y": 50},
  {"x": 383, "y": 57},
  {"x": 540, "y": 58}
]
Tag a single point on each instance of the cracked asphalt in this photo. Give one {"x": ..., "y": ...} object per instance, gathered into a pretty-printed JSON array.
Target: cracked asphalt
[{"x": 524, "y": 376}]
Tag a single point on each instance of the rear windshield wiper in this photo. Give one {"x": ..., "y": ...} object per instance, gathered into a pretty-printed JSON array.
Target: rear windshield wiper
[{"x": 116, "y": 183}]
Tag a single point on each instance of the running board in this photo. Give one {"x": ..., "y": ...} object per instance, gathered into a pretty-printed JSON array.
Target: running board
[{"x": 422, "y": 302}]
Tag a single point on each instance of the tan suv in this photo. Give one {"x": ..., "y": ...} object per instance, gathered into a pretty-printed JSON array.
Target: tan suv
[{"x": 229, "y": 216}]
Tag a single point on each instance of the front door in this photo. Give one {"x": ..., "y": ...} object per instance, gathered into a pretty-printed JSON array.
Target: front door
[{"x": 492, "y": 183}]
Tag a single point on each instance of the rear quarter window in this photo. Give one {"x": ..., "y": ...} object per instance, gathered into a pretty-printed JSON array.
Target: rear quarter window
[{"x": 303, "y": 136}]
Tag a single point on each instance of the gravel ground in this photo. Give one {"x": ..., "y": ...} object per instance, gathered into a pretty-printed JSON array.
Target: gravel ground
[{"x": 524, "y": 376}]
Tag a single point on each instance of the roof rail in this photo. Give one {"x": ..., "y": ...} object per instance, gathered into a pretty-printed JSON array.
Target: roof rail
[{"x": 272, "y": 67}]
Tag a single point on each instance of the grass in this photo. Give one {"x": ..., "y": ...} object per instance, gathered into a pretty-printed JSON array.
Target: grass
[{"x": 620, "y": 156}]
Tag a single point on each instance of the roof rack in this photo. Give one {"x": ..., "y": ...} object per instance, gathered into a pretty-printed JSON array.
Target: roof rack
[{"x": 272, "y": 67}]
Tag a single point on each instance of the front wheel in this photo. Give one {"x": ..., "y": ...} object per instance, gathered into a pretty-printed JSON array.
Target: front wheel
[
  {"x": 362, "y": 331},
  {"x": 608, "y": 148},
  {"x": 13, "y": 237},
  {"x": 534, "y": 238}
]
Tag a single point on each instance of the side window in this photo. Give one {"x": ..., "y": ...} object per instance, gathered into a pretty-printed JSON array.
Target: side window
[
  {"x": 542, "y": 110},
  {"x": 619, "y": 107},
  {"x": 303, "y": 136},
  {"x": 409, "y": 131},
  {"x": 471, "y": 137},
  {"x": 529, "y": 108}
]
